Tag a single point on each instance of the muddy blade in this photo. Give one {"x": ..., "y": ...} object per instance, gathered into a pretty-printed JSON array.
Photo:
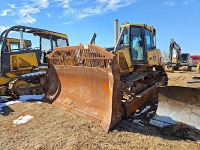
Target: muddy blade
[
  {"x": 90, "y": 92},
  {"x": 179, "y": 104}
]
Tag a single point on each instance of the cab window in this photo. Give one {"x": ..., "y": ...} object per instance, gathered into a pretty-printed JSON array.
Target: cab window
[
  {"x": 14, "y": 46},
  {"x": 149, "y": 40},
  {"x": 137, "y": 49},
  {"x": 61, "y": 42},
  {"x": 46, "y": 44}
]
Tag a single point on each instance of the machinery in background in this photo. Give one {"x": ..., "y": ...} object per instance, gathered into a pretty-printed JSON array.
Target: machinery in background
[
  {"x": 194, "y": 60},
  {"x": 102, "y": 85},
  {"x": 92, "y": 41},
  {"x": 180, "y": 61},
  {"x": 21, "y": 69},
  {"x": 13, "y": 44}
]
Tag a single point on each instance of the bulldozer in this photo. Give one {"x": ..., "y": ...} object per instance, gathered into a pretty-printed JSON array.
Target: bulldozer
[
  {"x": 180, "y": 61},
  {"x": 106, "y": 85},
  {"x": 22, "y": 70}
]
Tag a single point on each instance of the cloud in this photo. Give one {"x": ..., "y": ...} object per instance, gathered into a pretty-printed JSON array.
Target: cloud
[
  {"x": 170, "y": 3},
  {"x": 2, "y": 28},
  {"x": 63, "y": 3},
  {"x": 97, "y": 7},
  {"x": 48, "y": 14},
  {"x": 27, "y": 11},
  {"x": 70, "y": 22},
  {"x": 5, "y": 12},
  {"x": 188, "y": 2},
  {"x": 73, "y": 10},
  {"x": 26, "y": 20},
  {"x": 41, "y": 3},
  {"x": 12, "y": 5}
]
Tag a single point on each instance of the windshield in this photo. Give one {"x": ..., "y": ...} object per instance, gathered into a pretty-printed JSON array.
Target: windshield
[
  {"x": 185, "y": 57},
  {"x": 61, "y": 42},
  {"x": 149, "y": 40},
  {"x": 14, "y": 46},
  {"x": 136, "y": 43}
]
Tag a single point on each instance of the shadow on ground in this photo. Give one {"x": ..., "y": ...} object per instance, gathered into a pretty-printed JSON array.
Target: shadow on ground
[{"x": 6, "y": 110}]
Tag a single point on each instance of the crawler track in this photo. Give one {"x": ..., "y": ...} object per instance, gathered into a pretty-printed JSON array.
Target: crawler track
[{"x": 27, "y": 84}]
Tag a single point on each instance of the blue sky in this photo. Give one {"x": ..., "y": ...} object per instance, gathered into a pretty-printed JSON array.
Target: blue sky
[{"x": 79, "y": 19}]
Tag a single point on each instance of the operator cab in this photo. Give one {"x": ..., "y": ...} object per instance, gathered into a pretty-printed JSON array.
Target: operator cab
[
  {"x": 140, "y": 38},
  {"x": 18, "y": 53}
]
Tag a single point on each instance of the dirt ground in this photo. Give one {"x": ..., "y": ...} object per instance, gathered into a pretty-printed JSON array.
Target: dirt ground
[{"x": 53, "y": 128}]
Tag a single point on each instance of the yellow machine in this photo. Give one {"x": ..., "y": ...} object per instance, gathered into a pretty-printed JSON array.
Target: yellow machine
[
  {"x": 13, "y": 44},
  {"x": 105, "y": 85},
  {"x": 22, "y": 70},
  {"x": 180, "y": 61},
  {"x": 198, "y": 67}
]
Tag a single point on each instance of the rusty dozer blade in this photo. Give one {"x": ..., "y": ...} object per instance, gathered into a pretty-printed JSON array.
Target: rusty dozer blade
[
  {"x": 85, "y": 80},
  {"x": 178, "y": 104}
]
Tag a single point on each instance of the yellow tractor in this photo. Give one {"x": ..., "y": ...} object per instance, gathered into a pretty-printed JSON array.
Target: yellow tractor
[
  {"x": 22, "y": 70},
  {"x": 105, "y": 85}
]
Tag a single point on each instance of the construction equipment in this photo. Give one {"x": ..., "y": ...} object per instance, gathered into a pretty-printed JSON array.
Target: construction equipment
[
  {"x": 105, "y": 86},
  {"x": 180, "y": 61},
  {"x": 194, "y": 60},
  {"x": 198, "y": 67},
  {"x": 14, "y": 44},
  {"x": 93, "y": 38},
  {"x": 21, "y": 70}
]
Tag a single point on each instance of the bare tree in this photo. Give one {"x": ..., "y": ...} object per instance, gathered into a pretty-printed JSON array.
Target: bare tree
[{"x": 165, "y": 56}]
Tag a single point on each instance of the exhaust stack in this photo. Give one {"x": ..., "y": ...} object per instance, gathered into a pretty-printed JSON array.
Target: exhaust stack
[
  {"x": 116, "y": 31},
  {"x": 21, "y": 40}
]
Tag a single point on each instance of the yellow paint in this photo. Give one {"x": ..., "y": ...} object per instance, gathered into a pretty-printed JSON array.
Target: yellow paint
[
  {"x": 45, "y": 34},
  {"x": 13, "y": 40},
  {"x": 11, "y": 75},
  {"x": 4, "y": 80},
  {"x": 127, "y": 56},
  {"x": 20, "y": 61},
  {"x": 154, "y": 57},
  {"x": 20, "y": 64},
  {"x": 198, "y": 67},
  {"x": 150, "y": 28},
  {"x": 25, "y": 62},
  {"x": 174, "y": 60}
]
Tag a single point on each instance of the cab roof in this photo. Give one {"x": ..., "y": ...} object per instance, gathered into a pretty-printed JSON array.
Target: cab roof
[
  {"x": 37, "y": 31},
  {"x": 150, "y": 28}
]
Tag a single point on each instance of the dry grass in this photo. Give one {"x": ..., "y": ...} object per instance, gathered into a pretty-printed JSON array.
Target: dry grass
[{"x": 53, "y": 128}]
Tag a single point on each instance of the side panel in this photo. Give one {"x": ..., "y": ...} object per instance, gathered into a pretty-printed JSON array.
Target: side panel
[
  {"x": 154, "y": 58},
  {"x": 124, "y": 60},
  {"x": 18, "y": 60},
  {"x": 25, "y": 60}
]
